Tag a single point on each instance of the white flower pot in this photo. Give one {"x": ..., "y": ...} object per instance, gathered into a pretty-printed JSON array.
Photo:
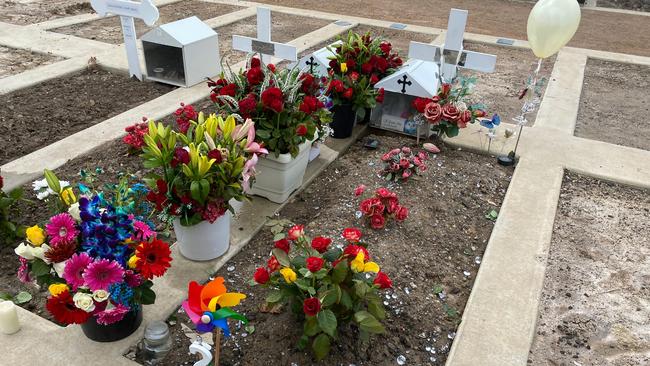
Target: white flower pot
[
  {"x": 278, "y": 177},
  {"x": 314, "y": 151},
  {"x": 236, "y": 205},
  {"x": 204, "y": 241}
]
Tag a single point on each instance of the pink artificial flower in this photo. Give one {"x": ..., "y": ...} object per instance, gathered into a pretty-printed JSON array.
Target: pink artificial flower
[
  {"x": 102, "y": 273},
  {"x": 74, "y": 269},
  {"x": 359, "y": 190},
  {"x": 251, "y": 145},
  {"x": 61, "y": 228},
  {"x": 407, "y": 173},
  {"x": 244, "y": 130},
  {"x": 133, "y": 279},
  {"x": 112, "y": 315},
  {"x": 249, "y": 172},
  {"x": 395, "y": 151},
  {"x": 142, "y": 231},
  {"x": 23, "y": 271}
]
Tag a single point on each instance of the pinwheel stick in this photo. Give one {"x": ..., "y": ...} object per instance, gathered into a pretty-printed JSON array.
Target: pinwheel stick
[{"x": 217, "y": 345}]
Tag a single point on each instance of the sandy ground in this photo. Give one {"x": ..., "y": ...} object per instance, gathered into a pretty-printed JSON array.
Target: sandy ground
[
  {"x": 14, "y": 61},
  {"x": 595, "y": 302},
  {"x": 615, "y": 104},
  {"x": 637, "y": 5},
  {"x": 35, "y": 11}
]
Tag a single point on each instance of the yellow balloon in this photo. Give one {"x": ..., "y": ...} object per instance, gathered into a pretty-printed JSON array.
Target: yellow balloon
[{"x": 551, "y": 25}]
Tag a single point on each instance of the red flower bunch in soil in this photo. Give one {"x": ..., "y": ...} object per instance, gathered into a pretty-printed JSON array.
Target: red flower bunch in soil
[
  {"x": 184, "y": 115},
  {"x": 401, "y": 164},
  {"x": 135, "y": 135},
  {"x": 380, "y": 208}
]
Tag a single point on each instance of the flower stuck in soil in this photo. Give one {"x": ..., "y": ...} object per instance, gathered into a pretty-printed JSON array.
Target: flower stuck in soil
[
  {"x": 401, "y": 164},
  {"x": 381, "y": 207},
  {"x": 330, "y": 286}
]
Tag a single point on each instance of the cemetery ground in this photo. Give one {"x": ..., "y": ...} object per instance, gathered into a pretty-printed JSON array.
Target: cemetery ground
[{"x": 562, "y": 228}]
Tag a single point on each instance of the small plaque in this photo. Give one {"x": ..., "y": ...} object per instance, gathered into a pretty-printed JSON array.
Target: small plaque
[
  {"x": 342, "y": 23},
  {"x": 264, "y": 48},
  {"x": 399, "y": 26},
  {"x": 505, "y": 41}
]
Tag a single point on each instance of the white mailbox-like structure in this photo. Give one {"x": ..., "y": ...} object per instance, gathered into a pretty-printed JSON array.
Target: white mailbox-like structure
[
  {"x": 317, "y": 63},
  {"x": 181, "y": 53}
]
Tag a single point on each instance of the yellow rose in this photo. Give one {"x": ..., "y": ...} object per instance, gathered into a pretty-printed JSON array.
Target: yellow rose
[
  {"x": 132, "y": 261},
  {"x": 288, "y": 274},
  {"x": 35, "y": 235},
  {"x": 68, "y": 196},
  {"x": 358, "y": 264},
  {"x": 344, "y": 67},
  {"x": 57, "y": 288}
]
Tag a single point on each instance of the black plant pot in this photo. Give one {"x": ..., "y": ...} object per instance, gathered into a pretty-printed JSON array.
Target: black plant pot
[
  {"x": 113, "y": 332},
  {"x": 342, "y": 121},
  {"x": 366, "y": 117}
]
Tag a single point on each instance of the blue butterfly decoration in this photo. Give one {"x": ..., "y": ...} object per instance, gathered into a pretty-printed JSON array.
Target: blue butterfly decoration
[{"x": 491, "y": 123}]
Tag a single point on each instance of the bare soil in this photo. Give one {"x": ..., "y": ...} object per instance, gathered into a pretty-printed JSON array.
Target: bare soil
[
  {"x": 502, "y": 18},
  {"x": 443, "y": 237},
  {"x": 110, "y": 29},
  {"x": 23, "y": 12},
  {"x": 636, "y": 5},
  {"x": 615, "y": 104},
  {"x": 14, "y": 60},
  {"x": 39, "y": 115},
  {"x": 594, "y": 307}
]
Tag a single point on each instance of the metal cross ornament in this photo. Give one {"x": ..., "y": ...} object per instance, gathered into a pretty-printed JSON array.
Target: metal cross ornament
[
  {"x": 311, "y": 64},
  {"x": 452, "y": 55},
  {"x": 263, "y": 44},
  {"x": 404, "y": 83}
]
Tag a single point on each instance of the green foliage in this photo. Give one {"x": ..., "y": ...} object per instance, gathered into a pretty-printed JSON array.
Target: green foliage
[
  {"x": 492, "y": 215},
  {"x": 9, "y": 231}
]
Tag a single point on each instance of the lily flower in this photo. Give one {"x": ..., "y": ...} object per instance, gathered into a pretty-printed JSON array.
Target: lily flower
[
  {"x": 251, "y": 145},
  {"x": 244, "y": 130},
  {"x": 249, "y": 172}
]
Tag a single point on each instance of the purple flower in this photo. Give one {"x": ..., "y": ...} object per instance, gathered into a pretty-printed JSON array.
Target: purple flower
[{"x": 102, "y": 273}]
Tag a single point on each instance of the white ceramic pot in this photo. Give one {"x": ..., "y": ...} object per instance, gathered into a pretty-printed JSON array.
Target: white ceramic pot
[
  {"x": 278, "y": 177},
  {"x": 236, "y": 205},
  {"x": 203, "y": 241},
  {"x": 314, "y": 152}
]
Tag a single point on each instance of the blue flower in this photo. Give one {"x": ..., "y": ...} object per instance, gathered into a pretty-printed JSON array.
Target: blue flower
[
  {"x": 104, "y": 229},
  {"x": 121, "y": 293}
]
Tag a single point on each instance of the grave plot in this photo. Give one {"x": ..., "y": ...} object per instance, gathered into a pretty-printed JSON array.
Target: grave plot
[
  {"x": 615, "y": 103},
  {"x": 637, "y": 5},
  {"x": 499, "y": 90},
  {"x": 284, "y": 28},
  {"x": 109, "y": 29},
  {"x": 23, "y": 12},
  {"x": 432, "y": 258},
  {"x": 42, "y": 114},
  {"x": 593, "y": 309},
  {"x": 14, "y": 61}
]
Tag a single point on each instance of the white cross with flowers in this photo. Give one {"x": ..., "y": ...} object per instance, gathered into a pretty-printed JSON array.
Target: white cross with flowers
[{"x": 263, "y": 44}]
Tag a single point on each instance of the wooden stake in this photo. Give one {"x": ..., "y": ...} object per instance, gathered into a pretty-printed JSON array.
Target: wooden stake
[{"x": 217, "y": 345}]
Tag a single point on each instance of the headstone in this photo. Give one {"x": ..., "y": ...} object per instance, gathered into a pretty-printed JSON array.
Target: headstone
[
  {"x": 451, "y": 55},
  {"x": 127, "y": 10},
  {"x": 263, "y": 44}
]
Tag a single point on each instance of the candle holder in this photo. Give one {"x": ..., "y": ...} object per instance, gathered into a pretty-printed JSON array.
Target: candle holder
[
  {"x": 9, "y": 323},
  {"x": 157, "y": 343}
]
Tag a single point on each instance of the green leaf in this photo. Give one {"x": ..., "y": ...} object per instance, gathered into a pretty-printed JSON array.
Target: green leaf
[
  {"x": 376, "y": 308},
  {"x": 311, "y": 327},
  {"x": 22, "y": 297},
  {"x": 250, "y": 328},
  {"x": 492, "y": 215},
  {"x": 327, "y": 322},
  {"x": 52, "y": 180},
  {"x": 274, "y": 296},
  {"x": 5, "y": 296},
  {"x": 346, "y": 300},
  {"x": 321, "y": 346},
  {"x": 40, "y": 268},
  {"x": 360, "y": 288},
  {"x": 368, "y": 322},
  {"x": 452, "y": 130},
  {"x": 305, "y": 285},
  {"x": 340, "y": 272},
  {"x": 332, "y": 254},
  {"x": 282, "y": 257},
  {"x": 148, "y": 296},
  {"x": 303, "y": 342},
  {"x": 330, "y": 298},
  {"x": 279, "y": 236},
  {"x": 438, "y": 289},
  {"x": 263, "y": 134}
]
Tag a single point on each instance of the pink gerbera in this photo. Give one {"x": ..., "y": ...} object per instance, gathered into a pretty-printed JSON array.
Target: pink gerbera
[
  {"x": 61, "y": 228},
  {"x": 112, "y": 315},
  {"x": 102, "y": 273},
  {"x": 74, "y": 269},
  {"x": 142, "y": 231}
]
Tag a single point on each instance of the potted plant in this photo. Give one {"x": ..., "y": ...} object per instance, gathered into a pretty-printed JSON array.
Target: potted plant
[
  {"x": 359, "y": 62},
  {"x": 325, "y": 286},
  {"x": 288, "y": 113},
  {"x": 97, "y": 257},
  {"x": 198, "y": 174}
]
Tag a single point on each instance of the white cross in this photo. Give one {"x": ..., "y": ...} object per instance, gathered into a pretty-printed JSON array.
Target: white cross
[
  {"x": 127, "y": 10},
  {"x": 263, "y": 44},
  {"x": 451, "y": 55}
]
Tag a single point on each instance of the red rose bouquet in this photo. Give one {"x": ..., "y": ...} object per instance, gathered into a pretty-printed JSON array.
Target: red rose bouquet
[
  {"x": 451, "y": 109},
  {"x": 286, "y": 106},
  {"x": 381, "y": 207},
  {"x": 325, "y": 285},
  {"x": 401, "y": 164}
]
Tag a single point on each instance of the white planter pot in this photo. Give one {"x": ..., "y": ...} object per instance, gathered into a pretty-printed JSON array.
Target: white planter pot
[
  {"x": 314, "y": 152},
  {"x": 236, "y": 205},
  {"x": 204, "y": 241},
  {"x": 278, "y": 177}
]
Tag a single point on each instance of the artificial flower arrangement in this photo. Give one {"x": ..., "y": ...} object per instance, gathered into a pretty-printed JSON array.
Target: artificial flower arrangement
[
  {"x": 97, "y": 255},
  {"x": 381, "y": 207},
  {"x": 9, "y": 231},
  {"x": 203, "y": 165},
  {"x": 135, "y": 136},
  {"x": 402, "y": 164},
  {"x": 325, "y": 285},
  {"x": 286, "y": 105},
  {"x": 451, "y": 109}
]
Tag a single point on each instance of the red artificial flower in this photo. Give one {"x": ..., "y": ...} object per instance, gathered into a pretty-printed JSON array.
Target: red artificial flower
[
  {"x": 216, "y": 155},
  {"x": 320, "y": 244},
  {"x": 351, "y": 64},
  {"x": 247, "y": 106},
  {"x": 230, "y": 89},
  {"x": 366, "y": 206},
  {"x": 296, "y": 232},
  {"x": 255, "y": 62},
  {"x": 352, "y": 234},
  {"x": 352, "y": 250},
  {"x": 385, "y": 193},
  {"x": 349, "y": 93},
  {"x": 273, "y": 99},
  {"x": 374, "y": 79},
  {"x": 336, "y": 85},
  {"x": 185, "y": 114},
  {"x": 213, "y": 210},
  {"x": 307, "y": 83},
  {"x": 377, "y": 221},
  {"x": 354, "y": 76},
  {"x": 367, "y": 68},
  {"x": 273, "y": 264},
  {"x": 160, "y": 198},
  {"x": 380, "y": 64},
  {"x": 406, "y": 174},
  {"x": 433, "y": 113},
  {"x": 386, "y": 47},
  {"x": 301, "y": 130},
  {"x": 154, "y": 258},
  {"x": 255, "y": 75},
  {"x": 450, "y": 112},
  {"x": 380, "y": 96},
  {"x": 64, "y": 311},
  {"x": 135, "y": 136},
  {"x": 359, "y": 190},
  {"x": 283, "y": 244},
  {"x": 311, "y": 306},
  {"x": 464, "y": 118},
  {"x": 181, "y": 156},
  {"x": 310, "y": 104},
  {"x": 383, "y": 281},
  {"x": 420, "y": 104},
  {"x": 61, "y": 251},
  {"x": 271, "y": 67},
  {"x": 261, "y": 275},
  {"x": 402, "y": 213},
  {"x": 445, "y": 88},
  {"x": 314, "y": 264}
]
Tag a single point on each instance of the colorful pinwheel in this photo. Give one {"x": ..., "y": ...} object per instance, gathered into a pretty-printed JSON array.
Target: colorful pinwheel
[{"x": 209, "y": 306}]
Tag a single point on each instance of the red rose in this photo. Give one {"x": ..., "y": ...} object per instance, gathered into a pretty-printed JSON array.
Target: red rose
[
  {"x": 393, "y": 205},
  {"x": 314, "y": 264},
  {"x": 296, "y": 232},
  {"x": 420, "y": 104},
  {"x": 261, "y": 275},
  {"x": 366, "y": 207},
  {"x": 359, "y": 190},
  {"x": 433, "y": 113},
  {"x": 352, "y": 250},
  {"x": 301, "y": 130},
  {"x": 381, "y": 64},
  {"x": 352, "y": 234},
  {"x": 386, "y": 157},
  {"x": 273, "y": 264},
  {"x": 384, "y": 193},
  {"x": 367, "y": 68},
  {"x": 402, "y": 213},
  {"x": 444, "y": 90},
  {"x": 273, "y": 99},
  {"x": 354, "y": 76},
  {"x": 247, "y": 106},
  {"x": 464, "y": 119},
  {"x": 255, "y": 62},
  {"x": 320, "y": 244},
  {"x": 307, "y": 82},
  {"x": 337, "y": 86},
  {"x": 386, "y": 47},
  {"x": 377, "y": 221},
  {"x": 349, "y": 93},
  {"x": 383, "y": 281},
  {"x": 283, "y": 244},
  {"x": 230, "y": 89},
  {"x": 380, "y": 96},
  {"x": 406, "y": 174},
  {"x": 334, "y": 65},
  {"x": 403, "y": 163},
  {"x": 213, "y": 97},
  {"x": 216, "y": 155},
  {"x": 271, "y": 67},
  {"x": 450, "y": 112},
  {"x": 374, "y": 79},
  {"x": 310, "y": 105},
  {"x": 255, "y": 76},
  {"x": 377, "y": 207},
  {"x": 311, "y": 306}
]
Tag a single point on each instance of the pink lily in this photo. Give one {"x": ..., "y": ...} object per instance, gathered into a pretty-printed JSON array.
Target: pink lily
[
  {"x": 249, "y": 172},
  {"x": 251, "y": 145},
  {"x": 242, "y": 130}
]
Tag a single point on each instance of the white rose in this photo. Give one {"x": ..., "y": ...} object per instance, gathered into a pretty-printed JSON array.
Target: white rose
[
  {"x": 23, "y": 250},
  {"x": 74, "y": 211},
  {"x": 84, "y": 301},
  {"x": 59, "y": 268},
  {"x": 100, "y": 295},
  {"x": 39, "y": 252}
]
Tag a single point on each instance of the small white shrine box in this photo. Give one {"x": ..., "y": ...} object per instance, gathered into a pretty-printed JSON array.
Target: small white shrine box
[
  {"x": 181, "y": 53},
  {"x": 416, "y": 78},
  {"x": 317, "y": 63}
]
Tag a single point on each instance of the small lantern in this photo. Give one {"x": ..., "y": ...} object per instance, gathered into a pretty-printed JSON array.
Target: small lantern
[{"x": 157, "y": 342}]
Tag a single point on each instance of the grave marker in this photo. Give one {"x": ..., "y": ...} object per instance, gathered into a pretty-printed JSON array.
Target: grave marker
[
  {"x": 127, "y": 10},
  {"x": 263, "y": 44}
]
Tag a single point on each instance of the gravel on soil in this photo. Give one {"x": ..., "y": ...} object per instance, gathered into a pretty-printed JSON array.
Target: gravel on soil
[
  {"x": 14, "y": 60},
  {"x": 23, "y": 12}
]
